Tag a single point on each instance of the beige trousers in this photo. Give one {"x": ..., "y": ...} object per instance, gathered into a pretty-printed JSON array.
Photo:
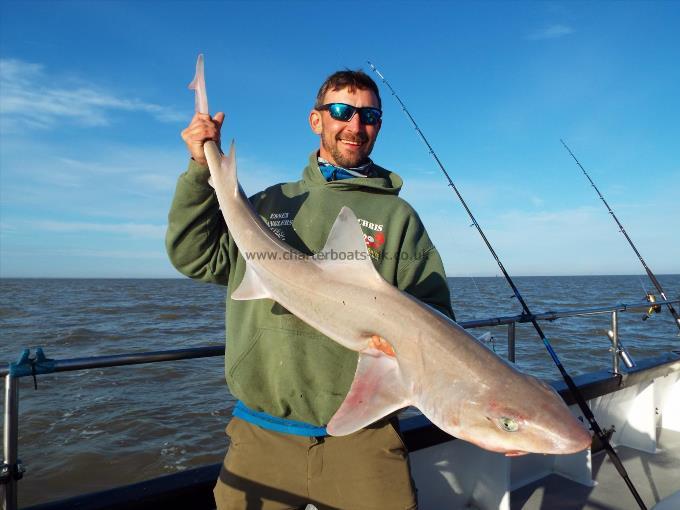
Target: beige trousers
[{"x": 266, "y": 470}]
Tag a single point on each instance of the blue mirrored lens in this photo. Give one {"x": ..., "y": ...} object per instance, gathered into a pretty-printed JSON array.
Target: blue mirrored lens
[
  {"x": 370, "y": 116},
  {"x": 341, "y": 111},
  {"x": 344, "y": 112}
]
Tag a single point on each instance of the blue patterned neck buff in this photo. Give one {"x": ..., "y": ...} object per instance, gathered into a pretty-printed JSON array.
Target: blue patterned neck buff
[{"x": 336, "y": 173}]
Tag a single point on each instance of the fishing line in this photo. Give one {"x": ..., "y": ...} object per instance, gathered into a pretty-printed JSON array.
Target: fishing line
[
  {"x": 644, "y": 289},
  {"x": 479, "y": 293},
  {"x": 623, "y": 231},
  {"x": 576, "y": 394}
]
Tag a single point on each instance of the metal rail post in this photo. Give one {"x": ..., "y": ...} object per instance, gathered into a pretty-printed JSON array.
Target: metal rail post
[
  {"x": 10, "y": 468},
  {"x": 617, "y": 348},
  {"x": 511, "y": 342},
  {"x": 614, "y": 337}
]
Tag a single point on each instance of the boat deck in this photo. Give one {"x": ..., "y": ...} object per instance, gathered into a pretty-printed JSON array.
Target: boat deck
[{"x": 655, "y": 476}]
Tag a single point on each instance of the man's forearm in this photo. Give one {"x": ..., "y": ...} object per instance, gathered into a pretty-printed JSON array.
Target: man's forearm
[{"x": 197, "y": 240}]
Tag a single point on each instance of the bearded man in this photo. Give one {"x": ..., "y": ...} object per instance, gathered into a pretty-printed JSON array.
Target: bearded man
[{"x": 290, "y": 379}]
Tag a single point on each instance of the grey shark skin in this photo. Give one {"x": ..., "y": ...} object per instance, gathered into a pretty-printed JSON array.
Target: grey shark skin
[{"x": 433, "y": 364}]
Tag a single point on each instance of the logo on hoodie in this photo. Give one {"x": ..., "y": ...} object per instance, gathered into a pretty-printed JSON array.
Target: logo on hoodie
[
  {"x": 374, "y": 239},
  {"x": 277, "y": 220}
]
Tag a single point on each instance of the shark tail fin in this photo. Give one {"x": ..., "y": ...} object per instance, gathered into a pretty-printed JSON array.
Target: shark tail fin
[{"x": 198, "y": 86}]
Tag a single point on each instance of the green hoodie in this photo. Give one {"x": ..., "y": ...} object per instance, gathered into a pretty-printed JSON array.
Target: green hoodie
[{"x": 275, "y": 362}]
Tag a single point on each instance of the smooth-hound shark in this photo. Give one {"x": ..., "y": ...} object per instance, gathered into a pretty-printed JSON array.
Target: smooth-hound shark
[{"x": 427, "y": 360}]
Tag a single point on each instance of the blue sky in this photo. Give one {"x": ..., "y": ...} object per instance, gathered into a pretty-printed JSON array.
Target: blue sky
[{"x": 93, "y": 97}]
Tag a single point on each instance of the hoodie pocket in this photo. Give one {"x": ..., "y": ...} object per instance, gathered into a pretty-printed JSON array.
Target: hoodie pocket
[
  {"x": 292, "y": 372},
  {"x": 251, "y": 344}
]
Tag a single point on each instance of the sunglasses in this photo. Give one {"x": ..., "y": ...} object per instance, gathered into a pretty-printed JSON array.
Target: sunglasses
[{"x": 344, "y": 112}]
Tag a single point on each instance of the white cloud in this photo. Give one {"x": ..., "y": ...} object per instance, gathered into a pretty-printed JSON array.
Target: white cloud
[
  {"x": 142, "y": 230},
  {"x": 7, "y": 228},
  {"x": 156, "y": 182},
  {"x": 101, "y": 179},
  {"x": 536, "y": 201},
  {"x": 255, "y": 174},
  {"x": 580, "y": 240},
  {"x": 116, "y": 254},
  {"x": 30, "y": 97},
  {"x": 480, "y": 194},
  {"x": 550, "y": 32},
  {"x": 436, "y": 189}
]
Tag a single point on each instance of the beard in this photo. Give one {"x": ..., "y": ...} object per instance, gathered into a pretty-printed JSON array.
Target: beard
[{"x": 333, "y": 146}]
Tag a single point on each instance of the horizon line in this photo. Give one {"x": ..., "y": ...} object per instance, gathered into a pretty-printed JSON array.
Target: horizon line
[{"x": 180, "y": 277}]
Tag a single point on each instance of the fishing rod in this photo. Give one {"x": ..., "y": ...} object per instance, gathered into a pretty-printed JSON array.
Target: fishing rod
[
  {"x": 578, "y": 397},
  {"x": 623, "y": 231}
]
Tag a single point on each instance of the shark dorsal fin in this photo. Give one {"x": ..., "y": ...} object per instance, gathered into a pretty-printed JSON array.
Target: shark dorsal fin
[{"x": 345, "y": 247}]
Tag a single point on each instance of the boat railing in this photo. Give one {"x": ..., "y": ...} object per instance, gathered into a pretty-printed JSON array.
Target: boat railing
[
  {"x": 619, "y": 352},
  {"x": 11, "y": 470}
]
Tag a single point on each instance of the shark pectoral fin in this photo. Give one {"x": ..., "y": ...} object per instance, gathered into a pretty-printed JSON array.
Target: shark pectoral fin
[
  {"x": 346, "y": 247},
  {"x": 377, "y": 390},
  {"x": 251, "y": 287}
]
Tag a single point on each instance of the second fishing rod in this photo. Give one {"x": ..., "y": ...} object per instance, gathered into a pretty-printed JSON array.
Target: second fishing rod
[
  {"x": 651, "y": 275},
  {"x": 578, "y": 397}
]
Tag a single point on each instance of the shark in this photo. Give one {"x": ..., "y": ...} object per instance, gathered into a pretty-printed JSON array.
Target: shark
[{"x": 409, "y": 353}]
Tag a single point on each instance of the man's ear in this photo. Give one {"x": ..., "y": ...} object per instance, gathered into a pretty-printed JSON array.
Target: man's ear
[{"x": 315, "y": 121}]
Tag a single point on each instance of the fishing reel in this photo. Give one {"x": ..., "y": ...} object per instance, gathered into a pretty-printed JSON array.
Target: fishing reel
[{"x": 650, "y": 298}]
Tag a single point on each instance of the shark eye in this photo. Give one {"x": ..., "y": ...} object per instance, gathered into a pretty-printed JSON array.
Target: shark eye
[{"x": 508, "y": 424}]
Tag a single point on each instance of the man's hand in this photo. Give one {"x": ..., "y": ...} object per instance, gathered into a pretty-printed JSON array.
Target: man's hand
[{"x": 202, "y": 129}]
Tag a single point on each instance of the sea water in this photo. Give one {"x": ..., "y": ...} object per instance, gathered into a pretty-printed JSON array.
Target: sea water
[{"x": 101, "y": 428}]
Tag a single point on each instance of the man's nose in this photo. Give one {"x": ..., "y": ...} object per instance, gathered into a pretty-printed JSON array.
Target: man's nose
[{"x": 355, "y": 123}]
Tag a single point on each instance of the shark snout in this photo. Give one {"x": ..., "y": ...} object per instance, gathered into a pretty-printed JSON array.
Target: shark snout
[{"x": 576, "y": 439}]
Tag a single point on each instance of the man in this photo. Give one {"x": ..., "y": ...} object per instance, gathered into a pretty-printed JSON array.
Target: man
[{"x": 289, "y": 378}]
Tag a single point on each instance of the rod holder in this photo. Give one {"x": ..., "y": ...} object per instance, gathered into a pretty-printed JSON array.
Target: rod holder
[
  {"x": 619, "y": 352},
  {"x": 627, "y": 360}
]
